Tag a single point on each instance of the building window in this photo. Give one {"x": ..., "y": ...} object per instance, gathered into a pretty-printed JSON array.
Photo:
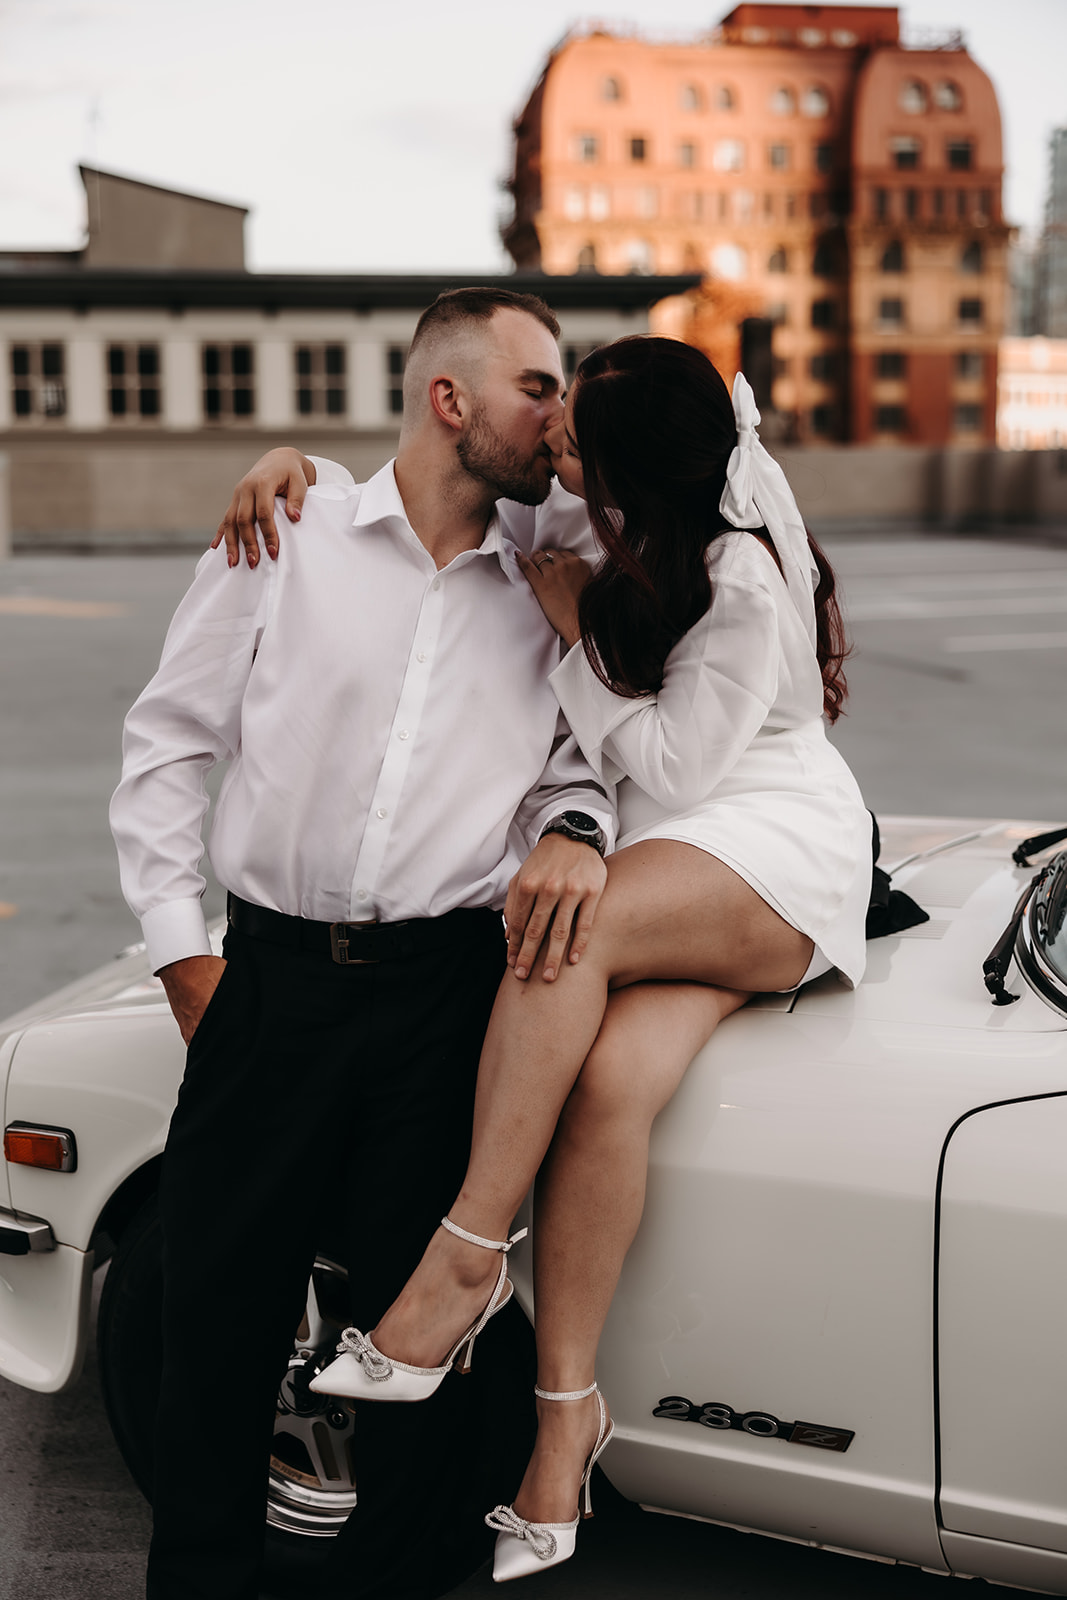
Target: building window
[
  {"x": 970, "y": 364},
  {"x": 947, "y": 96},
  {"x": 971, "y": 259},
  {"x": 574, "y": 203},
  {"x": 691, "y": 97},
  {"x": 783, "y": 102},
  {"x": 396, "y": 358},
  {"x": 960, "y": 154},
  {"x": 133, "y": 380},
  {"x": 586, "y": 258},
  {"x": 638, "y": 149},
  {"x": 823, "y": 366},
  {"x": 912, "y": 96},
  {"x": 905, "y": 152},
  {"x": 984, "y": 203},
  {"x": 587, "y": 147},
  {"x": 229, "y": 382},
  {"x": 816, "y": 203},
  {"x": 728, "y": 155},
  {"x": 891, "y": 313},
  {"x": 881, "y": 204},
  {"x": 824, "y": 157},
  {"x": 823, "y": 313},
  {"x": 781, "y": 366},
  {"x": 687, "y": 154},
  {"x": 822, "y": 420},
  {"x": 611, "y": 89},
  {"x": 729, "y": 261},
  {"x": 779, "y": 261},
  {"x": 599, "y": 202},
  {"x": 573, "y": 356},
  {"x": 648, "y": 202},
  {"x": 640, "y": 257},
  {"x": 891, "y": 364},
  {"x": 889, "y": 419},
  {"x": 971, "y": 313},
  {"x": 911, "y": 204},
  {"x": 825, "y": 261},
  {"x": 961, "y": 204},
  {"x": 320, "y": 380},
  {"x": 778, "y": 313},
  {"x": 939, "y": 202},
  {"x": 768, "y": 205},
  {"x": 815, "y": 102},
  {"x": 893, "y": 257},
  {"x": 724, "y": 98},
  {"x": 968, "y": 418},
  {"x": 38, "y": 388},
  {"x": 778, "y": 156}
]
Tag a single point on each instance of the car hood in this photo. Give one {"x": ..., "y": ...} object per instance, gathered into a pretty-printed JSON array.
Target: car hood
[{"x": 961, "y": 872}]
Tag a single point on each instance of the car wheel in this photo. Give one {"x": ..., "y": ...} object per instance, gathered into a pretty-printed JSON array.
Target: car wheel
[{"x": 311, "y": 1487}]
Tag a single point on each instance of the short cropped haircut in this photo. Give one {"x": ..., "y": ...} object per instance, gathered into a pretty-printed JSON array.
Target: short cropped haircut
[{"x": 457, "y": 306}]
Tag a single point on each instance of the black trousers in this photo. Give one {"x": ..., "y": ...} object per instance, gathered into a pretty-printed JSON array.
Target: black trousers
[{"x": 325, "y": 1101}]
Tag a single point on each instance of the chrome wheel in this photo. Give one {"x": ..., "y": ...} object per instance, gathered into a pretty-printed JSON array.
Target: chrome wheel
[{"x": 312, "y": 1487}]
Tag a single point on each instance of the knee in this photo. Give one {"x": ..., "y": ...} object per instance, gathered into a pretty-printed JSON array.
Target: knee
[{"x": 607, "y": 1099}]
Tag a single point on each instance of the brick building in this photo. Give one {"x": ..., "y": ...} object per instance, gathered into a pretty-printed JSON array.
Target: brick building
[{"x": 821, "y": 174}]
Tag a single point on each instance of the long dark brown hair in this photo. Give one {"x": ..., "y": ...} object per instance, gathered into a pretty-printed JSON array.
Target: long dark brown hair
[{"x": 654, "y": 426}]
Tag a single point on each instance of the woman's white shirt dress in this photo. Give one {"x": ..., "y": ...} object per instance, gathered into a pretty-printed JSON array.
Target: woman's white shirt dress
[{"x": 731, "y": 755}]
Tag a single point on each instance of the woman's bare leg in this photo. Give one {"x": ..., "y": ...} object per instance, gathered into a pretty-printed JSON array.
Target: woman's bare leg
[
  {"x": 669, "y": 912},
  {"x": 589, "y": 1198}
]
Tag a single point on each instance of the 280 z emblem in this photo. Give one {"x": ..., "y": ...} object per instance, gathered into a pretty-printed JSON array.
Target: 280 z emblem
[{"x": 714, "y": 1414}]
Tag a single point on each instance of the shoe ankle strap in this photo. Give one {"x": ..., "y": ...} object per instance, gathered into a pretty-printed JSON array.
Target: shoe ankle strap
[
  {"x": 503, "y": 1245},
  {"x": 570, "y": 1394}
]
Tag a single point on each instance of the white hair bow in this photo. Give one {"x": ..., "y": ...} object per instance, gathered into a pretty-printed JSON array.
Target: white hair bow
[{"x": 757, "y": 495}]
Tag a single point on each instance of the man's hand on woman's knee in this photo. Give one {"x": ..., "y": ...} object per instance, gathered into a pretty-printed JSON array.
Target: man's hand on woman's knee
[{"x": 552, "y": 901}]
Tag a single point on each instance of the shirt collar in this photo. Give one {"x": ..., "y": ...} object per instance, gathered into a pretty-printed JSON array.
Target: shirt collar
[{"x": 380, "y": 506}]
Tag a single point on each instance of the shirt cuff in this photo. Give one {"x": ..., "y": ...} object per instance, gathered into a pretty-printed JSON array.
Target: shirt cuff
[{"x": 174, "y": 931}]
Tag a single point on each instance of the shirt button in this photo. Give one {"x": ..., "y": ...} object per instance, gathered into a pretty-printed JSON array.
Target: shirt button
[
  {"x": 402, "y": 734},
  {"x": 436, "y": 583},
  {"x": 421, "y": 656},
  {"x": 361, "y": 894},
  {"x": 382, "y": 811}
]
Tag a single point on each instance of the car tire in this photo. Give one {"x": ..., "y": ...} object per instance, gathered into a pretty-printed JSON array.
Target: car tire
[{"x": 302, "y": 1514}]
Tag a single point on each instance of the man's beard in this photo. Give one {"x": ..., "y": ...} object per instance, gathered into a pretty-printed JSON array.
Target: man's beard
[{"x": 487, "y": 455}]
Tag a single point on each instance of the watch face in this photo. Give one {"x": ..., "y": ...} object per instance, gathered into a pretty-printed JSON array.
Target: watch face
[{"x": 579, "y": 820}]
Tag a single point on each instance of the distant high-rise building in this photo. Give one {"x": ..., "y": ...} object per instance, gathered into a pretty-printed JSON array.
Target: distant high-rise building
[
  {"x": 822, "y": 174},
  {"x": 1052, "y": 255}
]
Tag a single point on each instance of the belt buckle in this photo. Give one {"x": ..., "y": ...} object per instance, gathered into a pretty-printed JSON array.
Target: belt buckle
[{"x": 339, "y": 942}]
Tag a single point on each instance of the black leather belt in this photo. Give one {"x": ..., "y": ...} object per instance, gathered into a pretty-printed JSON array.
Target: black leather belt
[{"x": 355, "y": 943}]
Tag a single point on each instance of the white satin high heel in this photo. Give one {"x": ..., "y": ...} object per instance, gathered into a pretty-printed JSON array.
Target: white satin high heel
[
  {"x": 524, "y": 1547},
  {"x": 362, "y": 1372}
]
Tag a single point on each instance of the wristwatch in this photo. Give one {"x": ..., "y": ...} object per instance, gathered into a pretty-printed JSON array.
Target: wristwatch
[{"x": 577, "y": 825}]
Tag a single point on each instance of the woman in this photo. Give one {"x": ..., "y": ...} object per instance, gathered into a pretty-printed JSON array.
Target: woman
[{"x": 701, "y": 659}]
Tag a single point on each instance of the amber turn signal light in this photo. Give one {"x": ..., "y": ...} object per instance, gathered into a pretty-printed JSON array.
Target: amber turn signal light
[{"x": 52, "y": 1149}]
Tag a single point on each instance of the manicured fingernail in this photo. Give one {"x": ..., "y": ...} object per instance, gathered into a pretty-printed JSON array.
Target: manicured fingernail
[{"x": 252, "y": 560}]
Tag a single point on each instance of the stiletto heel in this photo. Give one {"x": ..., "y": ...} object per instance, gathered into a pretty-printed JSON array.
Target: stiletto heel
[
  {"x": 362, "y": 1372},
  {"x": 523, "y": 1547}
]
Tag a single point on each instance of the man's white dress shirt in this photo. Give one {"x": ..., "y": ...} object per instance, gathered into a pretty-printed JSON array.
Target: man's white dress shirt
[{"x": 395, "y": 746}]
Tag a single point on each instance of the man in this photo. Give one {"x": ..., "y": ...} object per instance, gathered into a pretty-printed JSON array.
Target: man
[{"x": 381, "y": 692}]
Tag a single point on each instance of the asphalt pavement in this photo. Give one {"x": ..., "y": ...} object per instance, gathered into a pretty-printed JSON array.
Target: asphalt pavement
[{"x": 956, "y": 707}]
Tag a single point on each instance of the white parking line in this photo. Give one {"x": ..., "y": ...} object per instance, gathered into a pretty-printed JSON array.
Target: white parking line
[{"x": 1005, "y": 641}]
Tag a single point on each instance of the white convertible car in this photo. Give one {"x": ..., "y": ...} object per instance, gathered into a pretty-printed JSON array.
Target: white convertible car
[{"x": 844, "y": 1320}]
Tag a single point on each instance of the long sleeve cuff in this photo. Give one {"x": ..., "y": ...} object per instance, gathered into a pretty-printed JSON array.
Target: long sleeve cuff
[{"x": 174, "y": 931}]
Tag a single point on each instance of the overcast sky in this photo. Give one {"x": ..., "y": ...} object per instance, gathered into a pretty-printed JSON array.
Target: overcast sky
[{"x": 367, "y": 135}]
